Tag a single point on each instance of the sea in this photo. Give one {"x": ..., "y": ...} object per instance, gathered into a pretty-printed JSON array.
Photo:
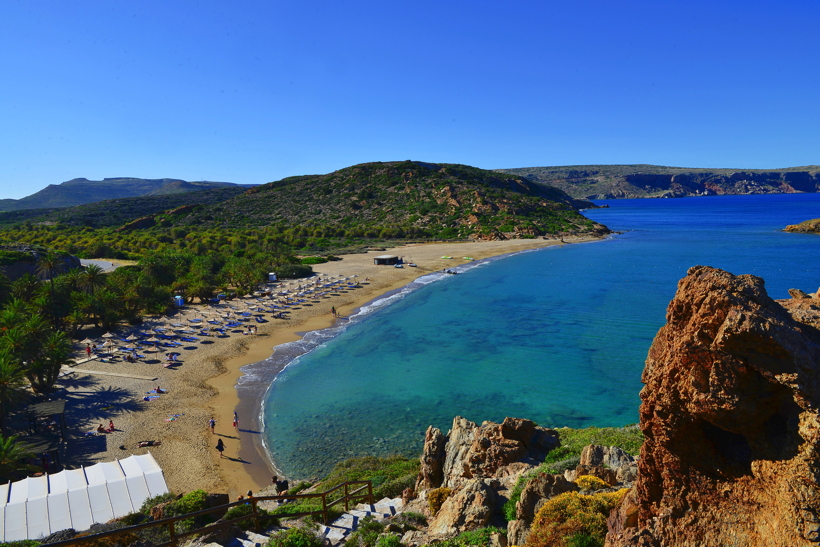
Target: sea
[{"x": 557, "y": 335}]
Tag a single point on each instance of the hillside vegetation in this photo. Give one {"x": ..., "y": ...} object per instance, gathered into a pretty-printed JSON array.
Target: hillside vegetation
[
  {"x": 81, "y": 191},
  {"x": 399, "y": 199},
  {"x": 640, "y": 181}
]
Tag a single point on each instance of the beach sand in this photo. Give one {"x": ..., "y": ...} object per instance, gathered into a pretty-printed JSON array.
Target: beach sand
[{"x": 203, "y": 385}]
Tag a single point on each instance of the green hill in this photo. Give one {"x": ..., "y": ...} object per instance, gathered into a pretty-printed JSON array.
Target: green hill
[
  {"x": 82, "y": 191},
  {"x": 405, "y": 199},
  {"x": 640, "y": 181}
]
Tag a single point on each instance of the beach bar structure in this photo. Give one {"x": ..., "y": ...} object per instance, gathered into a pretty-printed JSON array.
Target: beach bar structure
[
  {"x": 385, "y": 260},
  {"x": 77, "y": 498}
]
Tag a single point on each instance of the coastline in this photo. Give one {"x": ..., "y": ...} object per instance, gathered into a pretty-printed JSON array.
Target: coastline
[{"x": 206, "y": 384}]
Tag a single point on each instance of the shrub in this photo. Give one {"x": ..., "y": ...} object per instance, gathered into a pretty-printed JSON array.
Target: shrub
[
  {"x": 389, "y": 540},
  {"x": 294, "y": 271},
  {"x": 590, "y": 482},
  {"x": 572, "y": 516},
  {"x": 246, "y": 509},
  {"x": 367, "y": 534},
  {"x": 295, "y": 537},
  {"x": 436, "y": 498},
  {"x": 314, "y": 260},
  {"x": 478, "y": 538},
  {"x": 150, "y": 503}
]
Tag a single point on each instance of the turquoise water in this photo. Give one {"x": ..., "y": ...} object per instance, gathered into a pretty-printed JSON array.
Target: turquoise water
[{"x": 558, "y": 335}]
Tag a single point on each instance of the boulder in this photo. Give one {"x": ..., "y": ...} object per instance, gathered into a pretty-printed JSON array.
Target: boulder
[
  {"x": 544, "y": 486},
  {"x": 797, "y": 293},
  {"x": 469, "y": 508},
  {"x": 606, "y": 456},
  {"x": 517, "y": 532},
  {"x": 604, "y": 473},
  {"x": 730, "y": 415}
]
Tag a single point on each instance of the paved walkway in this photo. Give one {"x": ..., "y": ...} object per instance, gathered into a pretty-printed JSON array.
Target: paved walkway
[{"x": 103, "y": 373}]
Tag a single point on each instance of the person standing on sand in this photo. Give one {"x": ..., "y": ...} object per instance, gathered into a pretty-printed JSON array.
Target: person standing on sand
[
  {"x": 235, "y": 421},
  {"x": 333, "y": 310},
  {"x": 220, "y": 446},
  {"x": 212, "y": 424}
]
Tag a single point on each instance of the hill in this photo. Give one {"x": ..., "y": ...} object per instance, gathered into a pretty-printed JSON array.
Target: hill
[
  {"x": 116, "y": 212},
  {"x": 405, "y": 199},
  {"x": 81, "y": 191},
  {"x": 643, "y": 181}
]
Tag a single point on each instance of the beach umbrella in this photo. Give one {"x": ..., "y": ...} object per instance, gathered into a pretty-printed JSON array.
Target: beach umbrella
[
  {"x": 132, "y": 337},
  {"x": 87, "y": 341},
  {"x": 153, "y": 339},
  {"x": 108, "y": 335}
]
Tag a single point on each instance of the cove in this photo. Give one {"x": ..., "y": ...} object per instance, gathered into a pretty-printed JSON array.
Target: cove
[{"x": 557, "y": 335}]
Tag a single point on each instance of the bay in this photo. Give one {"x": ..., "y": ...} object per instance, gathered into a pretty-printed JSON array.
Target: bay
[{"x": 557, "y": 335}]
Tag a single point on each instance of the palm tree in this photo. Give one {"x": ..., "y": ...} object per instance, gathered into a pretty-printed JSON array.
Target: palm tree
[
  {"x": 92, "y": 278},
  {"x": 12, "y": 456},
  {"x": 12, "y": 383},
  {"x": 49, "y": 266},
  {"x": 44, "y": 369}
]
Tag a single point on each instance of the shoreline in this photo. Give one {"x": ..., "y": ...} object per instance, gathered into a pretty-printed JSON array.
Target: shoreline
[{"x": 208, "y": 382}]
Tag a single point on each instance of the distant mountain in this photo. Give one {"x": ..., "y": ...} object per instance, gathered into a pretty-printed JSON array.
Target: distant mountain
[
  {"x": 652, "y": 181},
  {"x": 82, "y": 191}
]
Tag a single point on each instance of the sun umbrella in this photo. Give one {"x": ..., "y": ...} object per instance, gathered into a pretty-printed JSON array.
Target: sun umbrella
[
  {"x": 132, "y": 337},
  {"x": 108, "y": 335},
  {"x": 153, "y": 339},
  {"x": 87, "y": 341}
]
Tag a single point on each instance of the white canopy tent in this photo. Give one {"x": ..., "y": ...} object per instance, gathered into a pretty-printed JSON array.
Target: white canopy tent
[{"x": 77, "y": 498}]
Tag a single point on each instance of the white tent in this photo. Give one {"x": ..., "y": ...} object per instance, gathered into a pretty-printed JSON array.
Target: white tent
[{"x": 77, "y": 498}]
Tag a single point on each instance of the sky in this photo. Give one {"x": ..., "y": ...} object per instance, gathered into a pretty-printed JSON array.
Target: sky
[{"x": 254, "y": 91}]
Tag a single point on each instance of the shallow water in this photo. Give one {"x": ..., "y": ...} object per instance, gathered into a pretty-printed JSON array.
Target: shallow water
[{"x": 557, "y": 335}]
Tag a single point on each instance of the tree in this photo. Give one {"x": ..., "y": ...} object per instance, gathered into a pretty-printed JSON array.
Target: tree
[
  {"x": 12, "y": 456},
  {"x": 12, "y": 383},
  {"x": 44, "y": 369},
  {"x": 25, "y": 287},
  {"x": 92, "y": 278},
  {"x": 49, "y": 266}
]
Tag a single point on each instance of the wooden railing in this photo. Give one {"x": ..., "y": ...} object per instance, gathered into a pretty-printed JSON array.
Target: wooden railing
[{"x": 363, "y": 492}]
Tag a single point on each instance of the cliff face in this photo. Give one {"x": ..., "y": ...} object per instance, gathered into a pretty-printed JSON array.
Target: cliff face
[{"x": 730, "y": 416}]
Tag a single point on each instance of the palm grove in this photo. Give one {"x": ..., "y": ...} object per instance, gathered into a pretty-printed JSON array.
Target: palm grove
[{"x": 41, "y": 313}]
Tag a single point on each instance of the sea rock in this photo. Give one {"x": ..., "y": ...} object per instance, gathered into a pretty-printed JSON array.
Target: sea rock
[
  {"x": 469, "y": 508},
  {"x": 489, "y": 450},
  {"x": 594, "y": 455},
  {"x": 730, "y": 417}
]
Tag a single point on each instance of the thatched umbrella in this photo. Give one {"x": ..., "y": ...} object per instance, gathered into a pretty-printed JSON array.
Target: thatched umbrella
[
  {"x": 132, "y": 337},
  {"x": 108, "y": 335},
  {"x": 87, "y": 341}
]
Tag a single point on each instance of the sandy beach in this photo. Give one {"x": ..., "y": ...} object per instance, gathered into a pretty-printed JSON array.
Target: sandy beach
[{"x": 203, "y": 384}]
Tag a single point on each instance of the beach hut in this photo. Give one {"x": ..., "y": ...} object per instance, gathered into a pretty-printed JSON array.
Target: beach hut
[{"x": 385, "y": 260}]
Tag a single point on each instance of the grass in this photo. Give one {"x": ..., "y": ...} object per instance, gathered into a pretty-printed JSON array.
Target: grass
[{"x": 568, "y": 454}]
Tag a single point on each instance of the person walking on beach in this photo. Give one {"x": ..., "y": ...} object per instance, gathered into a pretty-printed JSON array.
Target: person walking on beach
[
  {"x": 220, "y": 446},
  {"x": 235, "y": 421},
  {"x": 212, "y": 424},
  {"x": 88, "y": 351},
  {"x": 333, "y": 310}
]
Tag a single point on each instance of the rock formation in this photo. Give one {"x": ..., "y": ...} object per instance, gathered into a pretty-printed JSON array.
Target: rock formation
[
  {"x": 490, "y": 450},
  {"x": 730, "y": 416}
]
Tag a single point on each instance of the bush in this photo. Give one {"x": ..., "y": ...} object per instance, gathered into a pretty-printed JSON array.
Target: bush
[
  {"x": 367, "y": 534},
  {"x": 590, "y": 483},
  {"x": 436, "y": 498},
  {"x": 314, "y": 260},
  {"x": 478, "y": 538},
  {"x": 244, "y": 510},
  {"x": 295, "y": 537},
  {"x": 150, "y": 503},
  {"x": 294, "y": 271},
  {"x": 389, "y": 540},
  {"x": 573, "y": 517}
]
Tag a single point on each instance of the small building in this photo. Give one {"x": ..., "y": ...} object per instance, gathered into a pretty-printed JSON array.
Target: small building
[{"x": 386, "y": 260}]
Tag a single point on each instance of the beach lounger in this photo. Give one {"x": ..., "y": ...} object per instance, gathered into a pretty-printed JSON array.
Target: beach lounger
[{"x": 189, "y": 338}]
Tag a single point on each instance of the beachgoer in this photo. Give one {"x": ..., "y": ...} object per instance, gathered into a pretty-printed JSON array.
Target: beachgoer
[
  {"x": 281, "y": 486},
  {"x": 143, "y": 444},
  {"x": 88, "y": 351},
  {"x": 212, "y": 424},
  {"x": 333, "y": 310},
  {"x": 94, "y": 349},
  {"x": 110, "y": 426},
  {"x": 101, "y": 429},
  {"x": 235, "y": 421},
  {"x": 220, "y": 446},
  {"x": 160, "y": 390}
]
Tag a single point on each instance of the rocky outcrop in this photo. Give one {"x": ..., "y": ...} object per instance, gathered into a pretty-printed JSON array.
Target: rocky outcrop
[
  {"x": 469, "y": 508},
  {"x": 807, "y": 227},
  {"x": 472, "y": 451},
  {"x": 730, "y": 416}
]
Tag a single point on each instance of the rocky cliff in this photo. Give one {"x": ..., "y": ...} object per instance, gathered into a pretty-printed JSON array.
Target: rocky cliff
[
  {"x": 642, "y": 181},
  {"x": 730, "y": 416},
  {"x": 807, "y": 227}
]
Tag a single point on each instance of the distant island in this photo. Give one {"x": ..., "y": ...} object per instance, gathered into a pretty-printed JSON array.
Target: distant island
[{"x": 656, "y": 181}]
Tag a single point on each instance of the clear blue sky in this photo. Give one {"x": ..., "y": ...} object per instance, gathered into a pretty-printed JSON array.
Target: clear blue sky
[{"x": 251, "y": 92}]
